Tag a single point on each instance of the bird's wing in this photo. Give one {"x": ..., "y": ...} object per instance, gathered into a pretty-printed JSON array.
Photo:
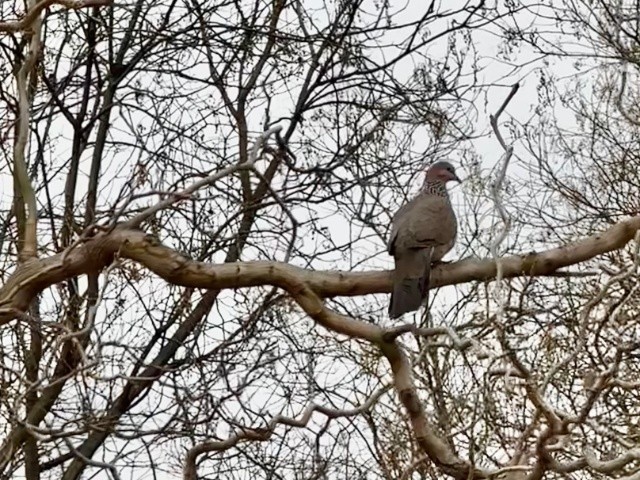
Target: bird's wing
[
  {"x": 435, "y": 226},
  {"x": 399, "y": 219},
  {"x": 426, "y": 221}
]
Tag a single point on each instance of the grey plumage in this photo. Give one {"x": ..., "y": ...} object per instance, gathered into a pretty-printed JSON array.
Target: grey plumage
[{"x": 422, "y": 232}]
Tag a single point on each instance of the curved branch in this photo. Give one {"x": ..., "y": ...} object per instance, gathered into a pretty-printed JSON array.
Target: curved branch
[
  {"x": 262, "y": 434},
  {"x": 613, "y": 465},
  {"x": 24, "y": 192},
  {"x": 426, "y": 436},
  {"x": 496, "y": 194},
  {"x": 96, "y": 253}
]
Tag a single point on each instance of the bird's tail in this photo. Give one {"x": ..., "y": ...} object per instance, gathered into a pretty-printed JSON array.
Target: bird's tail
[{"x": 410, "y": 282}]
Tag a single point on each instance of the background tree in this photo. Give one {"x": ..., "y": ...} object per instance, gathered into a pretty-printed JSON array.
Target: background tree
[{"x": 202, "y": 192}]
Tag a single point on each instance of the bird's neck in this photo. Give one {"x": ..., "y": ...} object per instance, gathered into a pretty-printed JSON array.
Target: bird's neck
[{"x": 432, "y": 187}]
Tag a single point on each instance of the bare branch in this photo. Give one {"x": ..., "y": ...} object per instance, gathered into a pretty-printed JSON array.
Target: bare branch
[
  {"x": 97, "y": 252},
  {"x": 27, "y": 21},
  {"x": 496, "y": 194},
  {"x": 26, "y": 73},
  {"x": 263, "y": 434},
  {"x": 586, "y": 313},
  {"x": 613, "y": 465},
  {"x": 494, "y": 118},
  {"x": 187, "y": 192},
  {"x": 619, "y": 102}
]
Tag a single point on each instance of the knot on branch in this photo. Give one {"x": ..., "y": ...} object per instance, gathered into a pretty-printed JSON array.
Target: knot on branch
[{"x": 411, "y": 402}]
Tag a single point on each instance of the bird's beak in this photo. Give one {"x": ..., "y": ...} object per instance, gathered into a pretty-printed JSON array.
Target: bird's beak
[{"x": 456, "y": 178}]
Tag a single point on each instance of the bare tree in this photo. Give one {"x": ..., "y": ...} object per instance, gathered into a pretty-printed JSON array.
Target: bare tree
[{"x": 191, "y": 257}]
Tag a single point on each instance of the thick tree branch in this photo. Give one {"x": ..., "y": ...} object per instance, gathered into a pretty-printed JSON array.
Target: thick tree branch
[
  {"x": 96, "y": 253},
  {"x": 24, "y": 192},
  {"x": 427, "y": 438}
]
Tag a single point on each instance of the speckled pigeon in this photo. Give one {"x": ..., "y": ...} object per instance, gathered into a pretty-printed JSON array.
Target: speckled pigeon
[{"x": 423, "y": 231}]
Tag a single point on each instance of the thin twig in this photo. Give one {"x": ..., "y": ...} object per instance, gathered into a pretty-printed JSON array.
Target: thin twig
[
  {"x": 459, "y": 343},
  {"x": 406, "y": 475},
  {"x": 621, "y": 108},
  {"x": 266, "y": 432},
  {"x": 187, "y": 192},
  {"x": 583, "y": 321},
  {"x": 167, "y": 202},
  {"x": 93, "y": 309},
  {"x": 285, "y": 208}
]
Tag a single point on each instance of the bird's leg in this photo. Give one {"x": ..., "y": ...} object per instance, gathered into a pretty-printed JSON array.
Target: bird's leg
[{"x": 426, "y": 276}]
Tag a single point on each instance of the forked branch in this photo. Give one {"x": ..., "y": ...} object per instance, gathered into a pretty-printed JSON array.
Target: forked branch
[{"x": 262, "y": 434}]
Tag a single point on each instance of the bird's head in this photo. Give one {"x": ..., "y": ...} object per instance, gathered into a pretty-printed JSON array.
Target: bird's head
[{"x": 442, "y": 172}]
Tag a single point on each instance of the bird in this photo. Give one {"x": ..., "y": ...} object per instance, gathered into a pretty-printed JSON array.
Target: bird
[{"x": 422, "y": 232}]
